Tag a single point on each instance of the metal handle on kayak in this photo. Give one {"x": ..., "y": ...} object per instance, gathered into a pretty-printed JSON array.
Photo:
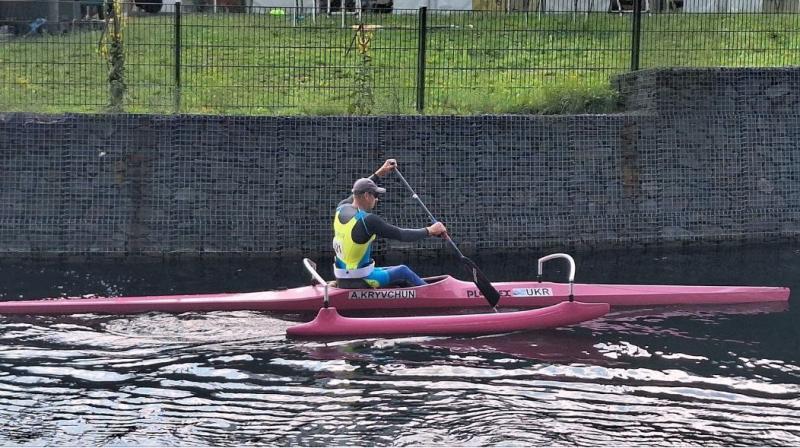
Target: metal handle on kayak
[
  {"x": 571, "y": 270},
  {"x": 311, "y": 267}
]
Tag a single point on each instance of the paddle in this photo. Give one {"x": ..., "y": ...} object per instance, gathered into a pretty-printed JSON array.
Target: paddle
[{"x": 480, "y": 280}]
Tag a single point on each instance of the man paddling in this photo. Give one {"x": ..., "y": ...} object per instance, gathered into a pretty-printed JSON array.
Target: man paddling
[{"x": 355, "y": 228}]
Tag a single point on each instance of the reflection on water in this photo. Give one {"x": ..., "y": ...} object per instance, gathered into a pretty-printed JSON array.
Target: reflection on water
[{"x": 660, "y": 375}]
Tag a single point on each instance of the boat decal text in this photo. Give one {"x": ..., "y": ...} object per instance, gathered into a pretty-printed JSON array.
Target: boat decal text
[
  {"x": 390, "y": 294},
  {"x": 531, "y": 292},
  {"x": 516, "y": 292},
  {"x": 475, "y": 293}
]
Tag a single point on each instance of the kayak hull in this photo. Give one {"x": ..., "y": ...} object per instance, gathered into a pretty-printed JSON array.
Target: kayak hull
[
  {"x": 441, "y": 292},
  {"x": 329, "y": 323}
]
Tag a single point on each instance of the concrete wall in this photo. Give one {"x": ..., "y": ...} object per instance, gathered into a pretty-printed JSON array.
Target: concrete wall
[{"x": 702, "y": 156}]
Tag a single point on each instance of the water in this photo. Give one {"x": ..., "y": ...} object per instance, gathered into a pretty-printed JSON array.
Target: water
[{"x": 721, "y": 375}]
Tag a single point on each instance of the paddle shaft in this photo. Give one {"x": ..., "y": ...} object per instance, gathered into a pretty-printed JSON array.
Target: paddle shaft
[
  {"x": 424, "y": 207},
  {"x": 484, "y": 285}
]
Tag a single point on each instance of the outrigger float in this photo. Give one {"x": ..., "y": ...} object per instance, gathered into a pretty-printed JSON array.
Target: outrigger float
[
  {"x": 329, "y": 323},
  {"x": 545, "y": 304}
]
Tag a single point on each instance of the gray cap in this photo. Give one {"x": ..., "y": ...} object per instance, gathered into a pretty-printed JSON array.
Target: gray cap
[{"x": 366, "y": 185}]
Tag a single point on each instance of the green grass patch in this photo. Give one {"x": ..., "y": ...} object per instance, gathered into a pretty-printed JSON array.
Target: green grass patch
[{"x": 476, "y": 62}]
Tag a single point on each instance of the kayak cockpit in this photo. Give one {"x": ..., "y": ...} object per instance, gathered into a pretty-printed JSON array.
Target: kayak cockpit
[
  {"x": 436, "y": 279},
  {"x": 311, "y": 267}
]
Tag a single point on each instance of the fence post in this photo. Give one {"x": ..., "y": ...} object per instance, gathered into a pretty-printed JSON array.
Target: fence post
[
  {"x": 422, "y": 36},
  {"x": 177, "y": 27},
  {"x": 636, "y": 34}
]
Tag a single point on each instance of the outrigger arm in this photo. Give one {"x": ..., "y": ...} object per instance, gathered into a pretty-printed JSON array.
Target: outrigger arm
[
  {"x": 311, "y": 267},
  {"x": 571, "y": 270}
]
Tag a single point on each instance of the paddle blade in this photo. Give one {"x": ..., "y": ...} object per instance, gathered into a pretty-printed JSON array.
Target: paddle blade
[{"x": 483, "y": 283}]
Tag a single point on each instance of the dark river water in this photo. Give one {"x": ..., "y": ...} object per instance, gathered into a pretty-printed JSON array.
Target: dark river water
[{"x": 713, "y": 375}]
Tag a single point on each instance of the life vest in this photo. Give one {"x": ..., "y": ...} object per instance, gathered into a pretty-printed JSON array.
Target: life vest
[{"x": 352, "y": 259}]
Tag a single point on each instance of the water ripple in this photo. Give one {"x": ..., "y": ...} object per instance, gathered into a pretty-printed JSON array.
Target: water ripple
[{"x": 232, "y": 379}]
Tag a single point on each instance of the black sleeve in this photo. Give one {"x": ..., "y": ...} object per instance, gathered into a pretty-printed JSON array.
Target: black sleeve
[
  {"x": 379, "y": 227},
  {"x": 349, "y": 199}
]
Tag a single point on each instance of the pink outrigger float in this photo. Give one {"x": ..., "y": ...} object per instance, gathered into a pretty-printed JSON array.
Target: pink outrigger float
[
  {"x": 441, "y": 293},
  {"x": 329, "y": 323}
]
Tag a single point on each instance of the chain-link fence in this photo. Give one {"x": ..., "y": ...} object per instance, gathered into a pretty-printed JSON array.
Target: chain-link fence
[{"x": 372, "y": 57}]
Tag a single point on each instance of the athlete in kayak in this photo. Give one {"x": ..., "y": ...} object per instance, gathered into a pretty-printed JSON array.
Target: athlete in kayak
[{"x": 354, "y": 230}]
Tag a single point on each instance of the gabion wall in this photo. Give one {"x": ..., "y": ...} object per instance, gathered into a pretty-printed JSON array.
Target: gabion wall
[{"x": 701, "y": 157}]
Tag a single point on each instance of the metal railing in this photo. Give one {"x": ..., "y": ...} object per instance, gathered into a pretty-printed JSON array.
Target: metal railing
[{"x": 317, "y": 58}]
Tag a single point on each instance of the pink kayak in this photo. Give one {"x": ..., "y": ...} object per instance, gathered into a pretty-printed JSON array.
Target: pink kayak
[
  {"x": 329, "y": 323},
  {"x": 440, "y": 292}
]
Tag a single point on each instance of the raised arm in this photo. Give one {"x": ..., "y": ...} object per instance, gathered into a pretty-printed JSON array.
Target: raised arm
[{"x": 387, "y": 167}]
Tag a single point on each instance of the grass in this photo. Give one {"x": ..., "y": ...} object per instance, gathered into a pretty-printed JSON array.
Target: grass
[{"x": 476, "y": 62}]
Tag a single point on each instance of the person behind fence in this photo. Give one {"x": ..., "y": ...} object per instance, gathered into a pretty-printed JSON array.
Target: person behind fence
[{"x": 355, "y": 228}]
